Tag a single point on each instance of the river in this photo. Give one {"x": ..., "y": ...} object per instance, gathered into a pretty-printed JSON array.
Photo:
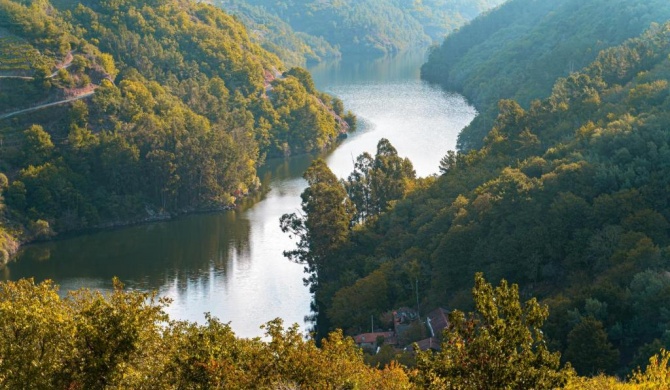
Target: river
[{"x": 230, "y": 264}]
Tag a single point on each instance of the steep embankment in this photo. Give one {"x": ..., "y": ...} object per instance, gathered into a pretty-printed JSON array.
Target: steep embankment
[
  {"x": 568, "y": 199},
  {"x": 277, "y": 36},
  {"x": 308, "y": 30},
  {"x": 112, "y": 111},
  {"x": 518, "y": 50}
]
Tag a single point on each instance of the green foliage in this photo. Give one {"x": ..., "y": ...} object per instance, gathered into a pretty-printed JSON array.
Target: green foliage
[
  {"x": 122, "y": 339},
  {"x": 31, "y": 22},
  {"x": 84, "y": 341},
  {"x": 309, "y": 31},
  {"x": 388, "y": 355},
  {"x": 16, "y": 54},
  {"x": 305, "y": 79},
  {"x": 4, "y": 182},
  {"x": 567, "y": 199},
  {"x": 323, "y": 227},
  {"x": 354, "y": 305},
  {"x": 37, "y": 147},
  {"x": 655, "y": 376},
  {"x": 276, "y": 36},
  {"x": 501, "y": 346},
  {"x": 185, "y": 109},
  {"x": 518, "y": 50},
  {"x": 22, "y": 57},
  {"x": 588, "y": 350},
  {"x": 30, "y": 351},
  {"x": 390, "y": 176},
  {"x": 351, "y": 120},
  {"x": 331, "y": 211},
  {"x": 657, "y": 372},
  {"x": 376, "y": 183}
]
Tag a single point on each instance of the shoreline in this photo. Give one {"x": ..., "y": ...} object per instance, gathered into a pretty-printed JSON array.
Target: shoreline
[{"x": 16, "y": 245}]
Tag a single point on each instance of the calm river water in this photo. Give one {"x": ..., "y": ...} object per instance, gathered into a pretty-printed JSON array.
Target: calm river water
[{"x": 230, "y": 264}]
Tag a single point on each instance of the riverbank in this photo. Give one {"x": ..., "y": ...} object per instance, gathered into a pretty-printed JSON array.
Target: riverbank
[
  {"x": 11, "y": 244},
  {"x": 9, "y": 247},
  {"x": 230, "y": 264}
]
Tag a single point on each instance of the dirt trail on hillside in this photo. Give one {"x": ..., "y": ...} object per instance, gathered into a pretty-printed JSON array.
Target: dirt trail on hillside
[
  {"x": 66, "y": 63},
  {"x": 68, "y": 100}
]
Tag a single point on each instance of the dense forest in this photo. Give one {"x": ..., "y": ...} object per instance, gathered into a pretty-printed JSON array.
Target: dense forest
[
  {"x": 159, "y": 107},
  {"x": 277, "y": 36},
  {"x": 123, "y": 339},
  {"x": 568, "y": 198},
  {"x": 171, "y": 108},
  {"x": 518, "y": 50},
  {"x": 307, "y": 30}
]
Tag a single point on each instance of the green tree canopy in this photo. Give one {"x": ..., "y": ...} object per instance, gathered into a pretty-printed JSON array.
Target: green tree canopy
[
  {"x": 325, "y": 224},
  {"x": 589, "y": 350}
]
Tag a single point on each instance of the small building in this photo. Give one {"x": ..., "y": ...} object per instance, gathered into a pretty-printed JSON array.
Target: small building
[
  {"x": 431, "y": 343},
  {"x": 402, "y": 319},
  {"x": 437, "y": 321},
  {"x": 369, "y": 340}
]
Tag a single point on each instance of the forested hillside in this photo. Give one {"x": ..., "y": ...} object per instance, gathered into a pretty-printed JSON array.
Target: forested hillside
[
  {"x": 123, "y": 339},
  {"x": 277, "y": 36},
  {"x": 518, "y": 50},
  {"x": 171, "y": 108},
  {"x": 372, "y": 27},
  {"x": 568, "y": 198}
]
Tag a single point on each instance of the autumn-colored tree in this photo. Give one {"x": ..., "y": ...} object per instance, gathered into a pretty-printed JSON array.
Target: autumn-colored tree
[
  {"x": 91, "y": 340},
  {"x": 500, "y": 346},
  {"x": 655, "y": 376},
  {"x": 4, "y": 182}
]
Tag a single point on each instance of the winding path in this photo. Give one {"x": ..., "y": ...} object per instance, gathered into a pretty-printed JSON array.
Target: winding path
[
  {"x": 67, "y": 62},
  {"x": 78, "y": 97},
  {"x": 17, "y": 77}
]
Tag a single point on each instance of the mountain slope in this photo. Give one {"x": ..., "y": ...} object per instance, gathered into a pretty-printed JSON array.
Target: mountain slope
[
  {"x": 185, "y": 109},
  {"x": 277, "y": 36},
  {"x": 568, "y": 199},
  {"x": 328, "y": 29},
  {"x": 518, "y": 50}
]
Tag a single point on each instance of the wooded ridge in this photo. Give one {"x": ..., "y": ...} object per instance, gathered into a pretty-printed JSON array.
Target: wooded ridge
[
  {"x": 185, "y": 108},
  {"x": 567, "y": 198}
]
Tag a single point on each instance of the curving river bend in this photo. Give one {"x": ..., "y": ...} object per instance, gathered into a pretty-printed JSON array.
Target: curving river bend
[{"x": 230, "y": 264}]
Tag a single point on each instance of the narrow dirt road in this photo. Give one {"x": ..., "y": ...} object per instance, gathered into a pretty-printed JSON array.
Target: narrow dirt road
[
  {"x": 78, "y": 97},
  {"x": 66, "y": 63},
  {"x": 17, "y": 77}
]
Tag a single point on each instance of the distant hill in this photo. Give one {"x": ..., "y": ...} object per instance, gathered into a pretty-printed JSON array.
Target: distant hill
[
  {"x": 309, "y": 31},
  {"x": 147, "y": 108},
  {"x": 519, "y": 49},
  {"x": 277, "y": 36}
]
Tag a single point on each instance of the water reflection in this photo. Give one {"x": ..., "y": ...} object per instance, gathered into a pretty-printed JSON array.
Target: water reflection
[
  {"x": 421, "y": 121},
  {"x": 144, "y": 255},
  {"x": 359, "y": 69},
  {"x": 230, "y": 264}
]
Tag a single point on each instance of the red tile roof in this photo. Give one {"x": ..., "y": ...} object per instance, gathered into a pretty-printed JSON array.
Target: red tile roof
[{"x": 371, "y": 338}]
